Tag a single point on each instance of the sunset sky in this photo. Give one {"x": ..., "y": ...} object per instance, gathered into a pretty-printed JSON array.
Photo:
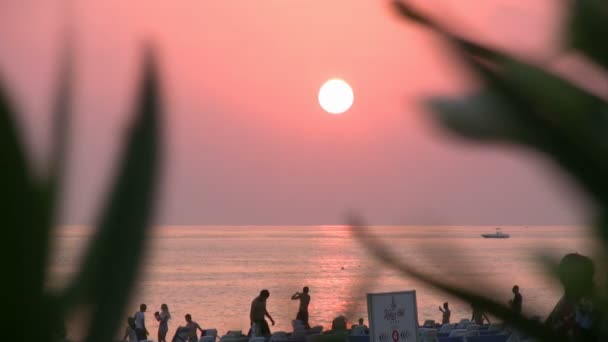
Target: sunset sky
[{"x": 246, "y": 140}]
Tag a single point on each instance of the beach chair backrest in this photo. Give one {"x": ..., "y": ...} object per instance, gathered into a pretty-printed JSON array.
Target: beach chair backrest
[
  {"x": 446, "y": 328},
  {"x": 211, "y": 332},
  {"x": 317, "y": 329},
  {"x": 357, "y": 330},
  {"x": 429, "y": 323}
]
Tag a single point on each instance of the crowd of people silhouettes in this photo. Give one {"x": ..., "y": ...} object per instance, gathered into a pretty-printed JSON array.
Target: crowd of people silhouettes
[
  {"x": 573, "y": 315},
  {"x": 136, "y": 326}
]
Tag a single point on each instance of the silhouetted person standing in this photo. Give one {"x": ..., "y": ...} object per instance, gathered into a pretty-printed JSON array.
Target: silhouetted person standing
[
  {"x": 140, "y": 323},
  {"x": 516, "y": 302},
  {"x": 304, "y": 298},
  {"x": 192, "y": 328},
  {"x": 478, "y": 315},
  {"x": 130, "y": 331},
  {"x": 574, "y": 315},
  {"x": 445, "y": 319},
  {"x": 257, "y": 313},
  {"x": 163, "y": 322},
  {"x": 362, "y": 326},
  {"x": 339, "y": 323}
]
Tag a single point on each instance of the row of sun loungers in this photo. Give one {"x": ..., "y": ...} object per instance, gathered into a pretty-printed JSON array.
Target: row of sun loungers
[
  {"x": 467, "y": 331},
  {"x": 463, "y": 331}
]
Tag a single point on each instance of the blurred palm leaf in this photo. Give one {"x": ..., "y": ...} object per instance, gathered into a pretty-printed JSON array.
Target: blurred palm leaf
[
  {"x": 524, "y": 104},
  {"x": 30, "y": 206},
  {"x": 588, "y": 29},
  {"x": 20, "y": 209},
  {"x": 382, "y": 252},
  {"x": 111, "y": 263}
]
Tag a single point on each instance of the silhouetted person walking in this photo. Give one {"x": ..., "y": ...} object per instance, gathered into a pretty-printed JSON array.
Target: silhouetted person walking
[
  {"x": 516, "y": 302},
  {"x": 257, "y": 313},
  {"x": 140, "y": 323},
  {"x": 445, "y": 319},
  {"x": 304, "y": 298}
]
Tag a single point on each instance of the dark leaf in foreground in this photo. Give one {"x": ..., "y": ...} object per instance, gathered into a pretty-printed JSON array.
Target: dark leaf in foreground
[
  {"x": 383, "y": 254},
  {"x": 109, "y": 269},
  {"x": 588, "y": 29},
  {"x": 564, "y": 120},
  {"x": 24, "y": 275}
]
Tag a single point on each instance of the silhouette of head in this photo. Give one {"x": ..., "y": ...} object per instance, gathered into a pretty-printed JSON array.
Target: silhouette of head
[
  {"x": 515, "y": 289},
  {"x": 361, "y": 321},
  {"x": 576, "y": 274},
  {"x": 305, "y": 289},
  {"x": 131, "y": 322},
  {"x": 264, "y": 294},
  {"x": 445, "y": 305},
  {"x": 143, "y": 307},
  {"x": 188, "y": 318},
  {"x": 164, "y": 307}
]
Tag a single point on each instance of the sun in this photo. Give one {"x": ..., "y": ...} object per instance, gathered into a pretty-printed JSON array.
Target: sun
[{"x": 336, "y": 96}]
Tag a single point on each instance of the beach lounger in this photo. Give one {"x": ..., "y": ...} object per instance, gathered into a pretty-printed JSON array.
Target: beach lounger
[
  {"x": 279, "y": 336},
  {"x": 428, "y": 335},
  {"x": 317, "y": 329},
  {"x": 364, "y": 338},
  {"x": 181, "y": 334},
  {"x": 463, "y": 323},
  {"x": 211, "y": 332},
  {"x": 496, "y": 326},
  {"x": 314, "y": 338},
  {"x": 452, "y": 339},
  {"x": 298, "y": 336},
  {"x": 488, "y": 338},
  {"x": 357, "y": 330},
  {"x": 472, "y": 327}
]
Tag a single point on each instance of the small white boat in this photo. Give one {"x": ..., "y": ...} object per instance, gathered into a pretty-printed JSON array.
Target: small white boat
[{"x": 498, "y": 235}]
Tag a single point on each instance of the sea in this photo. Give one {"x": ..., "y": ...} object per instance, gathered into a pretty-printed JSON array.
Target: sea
[{"x": 214, "y": 272}]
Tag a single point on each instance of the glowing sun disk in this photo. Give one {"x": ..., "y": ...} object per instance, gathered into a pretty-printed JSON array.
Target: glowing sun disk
[{"x": 336, "y": 96}]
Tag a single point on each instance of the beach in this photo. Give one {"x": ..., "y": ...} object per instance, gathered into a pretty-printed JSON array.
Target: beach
[{"x": 214, "y": 272}]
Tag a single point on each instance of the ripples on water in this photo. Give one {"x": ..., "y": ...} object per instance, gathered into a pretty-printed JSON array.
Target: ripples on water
[{"x": 213, "y": 273}]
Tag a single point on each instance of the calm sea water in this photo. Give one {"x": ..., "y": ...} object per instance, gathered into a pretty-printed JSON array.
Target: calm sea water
[{"x": 213, "y": 273}]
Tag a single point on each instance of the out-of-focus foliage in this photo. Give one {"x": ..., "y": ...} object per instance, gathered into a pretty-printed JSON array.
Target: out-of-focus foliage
[
  {"x": 102, "y": 287},
  {"x": 524, "y": 104}
]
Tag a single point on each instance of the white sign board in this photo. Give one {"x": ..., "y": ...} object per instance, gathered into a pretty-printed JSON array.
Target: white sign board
[{"x": 393, "y": 316}]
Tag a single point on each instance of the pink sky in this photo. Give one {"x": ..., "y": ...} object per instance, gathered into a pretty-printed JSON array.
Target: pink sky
[{"x": 247, "y": 142}]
